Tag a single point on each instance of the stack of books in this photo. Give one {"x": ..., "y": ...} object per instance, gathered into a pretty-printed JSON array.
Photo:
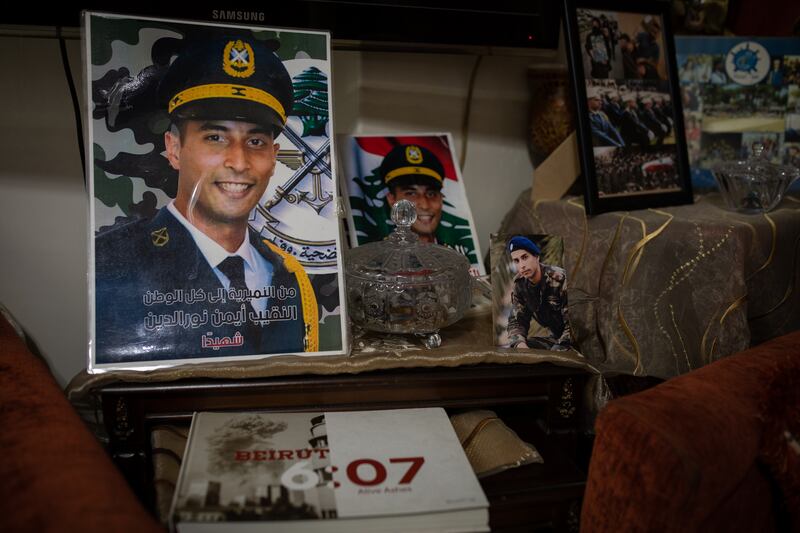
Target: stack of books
[{"x": 393, "y": 470}]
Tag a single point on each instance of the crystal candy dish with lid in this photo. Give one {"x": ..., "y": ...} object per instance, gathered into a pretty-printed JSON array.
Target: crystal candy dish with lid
[
  {"x": 402, "y": 285},
  {"x": 755, "y": 185}
]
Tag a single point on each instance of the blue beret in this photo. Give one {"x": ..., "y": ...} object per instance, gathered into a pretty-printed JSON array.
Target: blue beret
[{"x": 523, "y": 243}]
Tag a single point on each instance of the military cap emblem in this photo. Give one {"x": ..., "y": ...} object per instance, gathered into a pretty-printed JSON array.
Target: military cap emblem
[
  {"x": 413, "y": 154},
  {"x": 238, "y": 59},
  {"x": 160, "y": 237},
  {"x": 412, "y": 160}
]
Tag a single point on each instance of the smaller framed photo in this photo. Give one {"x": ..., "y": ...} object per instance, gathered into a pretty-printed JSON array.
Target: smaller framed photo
[
  {"x": 380, "y": 170},
  {"x": 629, "y": 119},
  {"x": 738, "y": 91},
  {"x": 529, "y": 292}
]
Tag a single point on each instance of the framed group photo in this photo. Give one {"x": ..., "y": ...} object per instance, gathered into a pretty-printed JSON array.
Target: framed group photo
[
  {"x": 739, "y": 91},
  {"x": 630, "y": 122}
]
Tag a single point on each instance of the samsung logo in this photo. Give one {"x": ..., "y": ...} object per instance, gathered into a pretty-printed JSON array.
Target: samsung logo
[{"x": 248, "y": 16}]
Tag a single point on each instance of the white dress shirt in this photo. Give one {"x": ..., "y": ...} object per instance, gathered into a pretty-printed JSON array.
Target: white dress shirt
[{"x": 257, "y": 270}]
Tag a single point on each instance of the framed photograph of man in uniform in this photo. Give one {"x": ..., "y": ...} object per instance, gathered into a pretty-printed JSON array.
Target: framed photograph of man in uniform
[
  {"x": 529, "y": 292},
  {"x": 213, "y": 226},
  {"x": 630, "y": 123},
  {"x": 380, "y": 170}
]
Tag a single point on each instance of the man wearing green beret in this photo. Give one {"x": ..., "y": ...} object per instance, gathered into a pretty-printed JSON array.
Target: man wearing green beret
[{"x": 228, "y": 96}]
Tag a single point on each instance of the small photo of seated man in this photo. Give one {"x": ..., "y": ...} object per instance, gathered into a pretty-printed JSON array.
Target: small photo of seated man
[{"x": 538, "y": 313}]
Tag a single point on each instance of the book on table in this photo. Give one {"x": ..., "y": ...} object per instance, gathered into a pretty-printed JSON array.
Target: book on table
[{"x": 392, "y": 470}]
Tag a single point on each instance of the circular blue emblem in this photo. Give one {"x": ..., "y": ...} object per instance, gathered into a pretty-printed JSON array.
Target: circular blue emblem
[{"x": 747, "y": 63}]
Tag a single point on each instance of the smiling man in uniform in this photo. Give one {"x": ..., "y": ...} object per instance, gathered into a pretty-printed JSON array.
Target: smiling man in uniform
[
  {"x": 228, "y": 96},
  {"x": 414, "y": 173}
]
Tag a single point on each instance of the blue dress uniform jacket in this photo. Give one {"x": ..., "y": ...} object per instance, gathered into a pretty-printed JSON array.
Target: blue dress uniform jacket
[
  {"x": 139, "y": 260},
  {"x": 603, "y": 131}
]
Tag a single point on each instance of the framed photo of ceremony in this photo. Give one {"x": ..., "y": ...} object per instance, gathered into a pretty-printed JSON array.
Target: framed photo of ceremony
[{"x": 629, "y": 114}]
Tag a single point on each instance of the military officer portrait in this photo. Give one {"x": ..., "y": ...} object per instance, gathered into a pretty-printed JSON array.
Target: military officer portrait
[
  {"x": 414, "y": 173},
  {"x": 535, "y": 312},
  {"x": 194, "y": 280},
  {"x": 384, "y": 170}
]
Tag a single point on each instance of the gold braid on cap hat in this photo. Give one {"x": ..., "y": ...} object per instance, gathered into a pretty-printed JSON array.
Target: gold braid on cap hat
[
  {"x": 226, "y": 90},
  {"x": 403, "y": 171}
]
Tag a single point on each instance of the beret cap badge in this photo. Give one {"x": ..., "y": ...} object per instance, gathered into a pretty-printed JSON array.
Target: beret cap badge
[{"x": 238, "y": 59}]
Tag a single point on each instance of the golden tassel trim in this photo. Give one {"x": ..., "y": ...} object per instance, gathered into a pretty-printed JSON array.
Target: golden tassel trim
[{"x": 309, "y": 300}]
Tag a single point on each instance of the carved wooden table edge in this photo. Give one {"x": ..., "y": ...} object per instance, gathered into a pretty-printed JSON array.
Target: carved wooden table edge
[{"x": 545, "y": 399}]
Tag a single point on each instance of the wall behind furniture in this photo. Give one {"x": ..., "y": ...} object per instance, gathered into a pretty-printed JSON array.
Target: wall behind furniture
[{"x": 43, "y": 204}]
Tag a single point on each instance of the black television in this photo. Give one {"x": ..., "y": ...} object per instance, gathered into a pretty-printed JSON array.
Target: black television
[{"x": 516, "y": 24}]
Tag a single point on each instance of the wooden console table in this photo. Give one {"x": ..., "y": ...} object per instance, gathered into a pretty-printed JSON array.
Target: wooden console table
[
  {"x": 538, "y": 394},
  {"x": 541, "y": 402}
]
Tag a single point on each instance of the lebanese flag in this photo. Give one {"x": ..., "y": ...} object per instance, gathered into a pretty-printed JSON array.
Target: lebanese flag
[{"x": 435, "y": 143}]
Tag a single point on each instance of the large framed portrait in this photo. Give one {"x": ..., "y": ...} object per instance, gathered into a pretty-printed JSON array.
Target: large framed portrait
[
  {"x": 630, "y": 123},
  {"x": 213, "y": 229}
]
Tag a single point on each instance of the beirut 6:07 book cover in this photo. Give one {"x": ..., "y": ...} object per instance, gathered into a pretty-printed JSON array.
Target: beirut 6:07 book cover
[{"x": 363, "y": 470}]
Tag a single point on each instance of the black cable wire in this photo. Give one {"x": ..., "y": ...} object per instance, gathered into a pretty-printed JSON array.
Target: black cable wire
[
  {"x": 76, "y": 108},
  {"x": 468, "y": 110}
]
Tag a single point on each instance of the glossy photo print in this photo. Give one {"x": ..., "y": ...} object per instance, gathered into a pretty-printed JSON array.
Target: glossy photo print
[
  {"x": 380, "y": 170},
  {"x": 630, "y": 125},
  {"x": 738, "y": 91},
  {"x": 529, "y": 291},
  {"x": 213, "y": 226}
]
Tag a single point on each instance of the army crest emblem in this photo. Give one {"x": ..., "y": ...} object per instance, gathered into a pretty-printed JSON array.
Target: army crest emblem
[
  {"x": 414, "y": 155},
  {"x": 238, "y": 59}
]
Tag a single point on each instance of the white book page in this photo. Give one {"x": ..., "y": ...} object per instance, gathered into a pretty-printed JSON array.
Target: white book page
[{"x": 398, "y": 462}]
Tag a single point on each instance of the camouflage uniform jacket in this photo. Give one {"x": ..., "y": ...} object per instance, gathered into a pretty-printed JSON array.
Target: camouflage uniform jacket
[{"x": 545, "y": 302}]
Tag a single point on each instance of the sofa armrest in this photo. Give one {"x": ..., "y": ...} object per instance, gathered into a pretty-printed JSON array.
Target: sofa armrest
[
  {"x": 665, "y": 459},
  {"x": 55, "y": 475}
]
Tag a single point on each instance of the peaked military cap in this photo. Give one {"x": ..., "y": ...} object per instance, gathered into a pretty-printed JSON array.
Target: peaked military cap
[
  {"x": 414, "y": 163},
  {"x": 228, "y": 76}
]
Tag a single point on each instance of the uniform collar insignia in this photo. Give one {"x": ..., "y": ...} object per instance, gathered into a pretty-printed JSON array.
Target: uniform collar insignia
[{"x": 160, "y": 237}]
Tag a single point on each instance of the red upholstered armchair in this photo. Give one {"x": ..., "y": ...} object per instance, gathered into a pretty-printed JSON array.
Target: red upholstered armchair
[
  {"x": 54, "y": 475},
  {"x": 712, "y": 450}
]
